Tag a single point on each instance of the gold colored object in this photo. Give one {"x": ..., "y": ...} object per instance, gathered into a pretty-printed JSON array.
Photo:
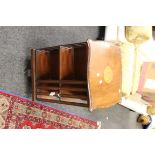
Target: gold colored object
[
  {"x": 145, "y": 120},
  {"x": 108, "y": 74}
]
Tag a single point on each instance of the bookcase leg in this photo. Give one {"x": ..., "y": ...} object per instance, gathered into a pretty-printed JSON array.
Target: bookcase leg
[{"x": 33, "y": 73}]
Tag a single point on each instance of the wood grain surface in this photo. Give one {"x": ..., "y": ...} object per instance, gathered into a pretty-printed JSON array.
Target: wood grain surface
[{"x": 104, "y": 74}]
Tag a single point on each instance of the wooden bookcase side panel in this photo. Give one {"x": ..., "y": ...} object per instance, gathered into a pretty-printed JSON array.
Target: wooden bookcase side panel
[{"x": 33, "y": 73}]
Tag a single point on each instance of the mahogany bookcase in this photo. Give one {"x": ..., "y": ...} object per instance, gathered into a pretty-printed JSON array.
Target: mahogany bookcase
[
  {"x": 59, "y": 74},
  {"x": 86, "y": 74}
]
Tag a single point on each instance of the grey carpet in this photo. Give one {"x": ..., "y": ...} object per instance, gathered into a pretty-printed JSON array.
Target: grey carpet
[{"x": 15, "y": 45}]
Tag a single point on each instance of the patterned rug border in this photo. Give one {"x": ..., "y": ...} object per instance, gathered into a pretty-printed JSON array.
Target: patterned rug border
[{"x": 38, "y": 103}]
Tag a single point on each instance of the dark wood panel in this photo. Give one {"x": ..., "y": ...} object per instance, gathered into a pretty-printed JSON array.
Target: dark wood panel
[
  {"x": 66, "y": 63},
  {"x": 64, "y": 95},
  {"x": 33, "y": 73},
  {"x": 74, "y": 82},
  {"x": 81, "y": 60},
  {"x": 63, "y": 102},
  {"x": 47, "y": 65}
]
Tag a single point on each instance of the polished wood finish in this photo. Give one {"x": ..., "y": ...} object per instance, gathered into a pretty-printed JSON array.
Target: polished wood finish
[
  {"x": 66, "y": 63},
  {"x": 104, "y": 74},
  {"x": 73, "y": 74},
  {"x": 76, "y": 82},
  {"x": 61, "y": 71}
]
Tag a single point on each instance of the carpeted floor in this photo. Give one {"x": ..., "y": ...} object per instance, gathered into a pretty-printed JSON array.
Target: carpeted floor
[{"x": 15, "y": 45}]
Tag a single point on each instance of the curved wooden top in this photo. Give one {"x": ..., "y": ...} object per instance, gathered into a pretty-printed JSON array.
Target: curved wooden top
[{"x": 104, "y": 74}]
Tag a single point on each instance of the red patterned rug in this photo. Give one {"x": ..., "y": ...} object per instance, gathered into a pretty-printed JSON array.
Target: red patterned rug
[{"x": 22, "y": 113}]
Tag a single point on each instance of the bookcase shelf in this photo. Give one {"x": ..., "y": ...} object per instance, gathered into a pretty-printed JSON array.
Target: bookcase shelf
[{"x": 62, "y": 71}]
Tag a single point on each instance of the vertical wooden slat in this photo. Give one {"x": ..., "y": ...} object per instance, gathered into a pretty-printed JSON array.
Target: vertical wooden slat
[{"x": 33, "y": 73}]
